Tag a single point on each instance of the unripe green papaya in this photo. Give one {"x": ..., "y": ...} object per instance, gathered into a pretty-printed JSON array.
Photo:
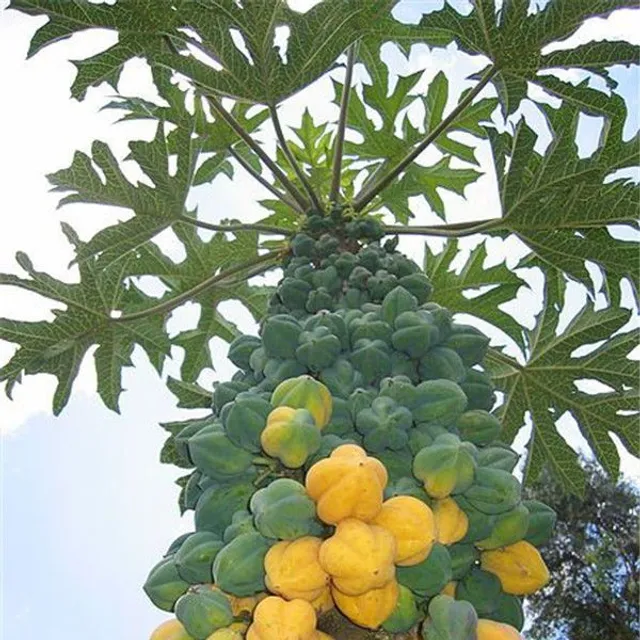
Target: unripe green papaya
[
  {"x": 417, "y": 284},
  {"x": 441, "y": 317},
  {"x": 359, "y": 277},
  {"x": 405, "y": 615},
  {"x": 479, "y": 389},
  {"x": 424, "y": 435},
  {"x": 399, "y": 389},
  {"x": 241, "y": 348},
  {"x": 304, "y": 392},
  {"x": 482, "y": 589},
  {"x": 439, "y": 401},
  {"x": 401, "y": 266},
  {"x": 217, "y": 505},
  {"x": 360, "y": 400},
  {"x": 332, "y": 321},
  {"x": 468, "y": 342},
  {"x": 508, "y": 611},
  {"x": 176, "y": 544},
  {"x": 450, "y": 619},
  {"x": 542, "y": 520},
  {"x": 342, "y": 422},
  {"x": 404, "y": 486},
  {"x": 319, "y": 299},
  {"x": 195, "y": 557},
  {"x": 403, "y": 366},
  {"x": 384, "y": 425},
  {"x": 258, "y": 361},
  {"x": 415, "y": 333},
  {"x": 498, "y": 457},
  {"x": 164, "y": 585},
  {"x": 478, "y": 426},
  {"x": 328, "y": 443},
  {"x": 245, "y": 419},
  {"x": 397, "y": 463},
  {"x": 372, "y": 359},
  {"x": 396, "y": 302},
  {"x": 303, "y": 245},
  {"x": 318, "y": 348},
  {"x": 493, "y": 491},
  {"x": 284, "y": 511},
  {"x": 277, "y": 370},
  {"x": 354, "y": 298},
  {"x": 510, "y": 526},
  {"x": 202, "y": 611},
  {"x": 326, "y": 245},
  {"x": 428, "y": 577},
  {"x": 280, "y": 335},
  {"x": 370, "y": 328},
  {"x": 327, "y": 279},
  {"x": 381, "y": 283},
  {"x": 224, "y": 392},
  {"x": 345, "y": 263},
  {"x": 480, "y": 524},
  {"x": 241, "y": 522},
  {"x": 217, "y": 456},
  {"x": 447, "y": 466},
  {"x": 441, "y": 363},
  {"x": 463, "y": 558},
  {"x": 341, "y": 378},
  {"x": 239, "y": 566},
  {"x": 181, "y": 439}
]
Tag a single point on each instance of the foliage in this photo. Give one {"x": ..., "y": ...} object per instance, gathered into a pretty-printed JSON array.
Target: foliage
[
  {"x": 558, "y": 203},
  {"x": 593, "y": 560}
]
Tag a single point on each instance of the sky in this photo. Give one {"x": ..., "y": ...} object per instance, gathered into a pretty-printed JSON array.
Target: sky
[{"x": 86, "y": 507}]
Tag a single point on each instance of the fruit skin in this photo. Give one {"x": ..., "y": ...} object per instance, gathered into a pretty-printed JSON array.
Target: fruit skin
[
  {"x": 510, "y": 527},
  {"x": 405, "y": 615},
  {"x": 203, "y": 611},
  {"x": 372, "y": 358},
  {"x": 491, "y": 630},
  {"x": 241, "y": 522},
  {"x": 341, "y": 378},
  {"x": 441, "y": 363},
  {"x": 519, "y": 567},
  {"x": 164, "y": 585},
  {"x": 480, "y": 524},
  {"x": 291, "y": 435},
  {"x": 284, "y": 511},
  {"x": 415, "y": 333},
  {"x": 479, "y": 389},
  {"x": 239, "y": 567},
  {"x": 498, "y": 458},
  {"x": 397, "y": 301},
  {"x": 493, "y": 491},
  {"x": 224, "y": 392},
  {"x": 481, "y": 589},
  {"x": 245, "y": 419},
  {"x": 217, "y": 504},
  {"x": 508, "y": 611},
  {"x": 468, "y": 342},
  {"x": 277, "y": 619},
  {"x": 280, "y": 333},
  {"x": 241, "y": 348},
  {"x": 217, "y": 456},
  {"x": 195, "y": 557},
  {"x": 170, "y": 630},
  {"x": 445, "y": 467},
  {"x": 294, "y": 571},
  {"x": 358, "y": 557},
  {"x": 371, "y": 608},
  {"x": 412, "y": 524},
  {"x": 384, "y": 425},
  {"x": 348, "y": 484},
  {"x": 450, "y": 619},
  {"x": 463, "y": 557},
  {"x": 440, "y": 402},
  {"x": 479, "y": 427},
  {"x": 451, "y": 521},
  {"x": 428, "y": 577},
  {"x": 318, "y": 348},
  {"x": 304, "y": 392},
  {"x": 542, "y": 520}
]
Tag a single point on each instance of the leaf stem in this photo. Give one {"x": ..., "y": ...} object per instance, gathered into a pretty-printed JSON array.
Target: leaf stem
[
  {"x": 342, "y": 125},
  {"x": 457, "y": 230},
  {"x": 291, "y": 159},
  {"x": 264, "y": 228},
  {"x": 283, "y": 197},
  {"x": 176, "y": 301},
  {"x": 262, "y": 154},
  {"x": 367, "y": 195}
]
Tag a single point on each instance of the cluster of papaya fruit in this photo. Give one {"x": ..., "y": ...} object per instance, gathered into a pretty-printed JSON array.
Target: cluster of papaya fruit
[{"x": 352, "y": 462}]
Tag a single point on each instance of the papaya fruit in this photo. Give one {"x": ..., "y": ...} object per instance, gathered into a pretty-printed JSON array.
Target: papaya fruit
[
  {"x": 400, "y": 389},
  {"x": 291, "y": 435},
  {"x": 241, "y": 522},
  {"x": 324, "y": 602},
  {"x": 509, "y": 611},
  {"x": 181, "y": 440},
  {"x": 441, "y": 363},
  {"x": 303, "y": 245},
  {"x": 341, "y": 422},
  {"x": 496, "y": 457},
  {"x": 493, "y": 491},
  {"x": 228, "y": 633},
  {"x": 478, "y": 426},
  {"x": 404, "y": 486},
  {"x": 294, "y": 293},
  {"x": 415, "y": 333},
  {"x": 519, "y": 567},
  {"x": 449, "y": 589},
  {"x": 241, "y": 348},
  {"x": 170, "y": 630},
  {"x": 450, "y": 619},
  {"x": 284, "y": 511},
  {"x": 463, "y": 558},
  {"x": 418, "y": 285},
  {"x": 510, "y": 526},
  {"x": 192, "y": 491},
  {"x": 195, "y": 557},
  {"x": 412, "y": 524},
  {"x": 370, "y": 327},
  {"x": 164, "y": 585},
  {"x": 217, "y": 504},
  {"x": 427, "y": 578},
  {"x": 479, "y": 389},
  {"x": 176, "y": 544},
  {"x": 384, "y": 425},
  {"x": 397, "y": 463},
  {"x": 491, "y": 630},
  {"x": 348, "y": 484},
  {"x": 304, "y": 392},
  {"x": 203, "y": 611},
  {"x": 358, "y": 557},
  {"x": 238, "y": 568},
  {"x": 318, "y": 349},
  {"x": 360, "y": 400},
  {"x": 403, "y": 365},
  {"x": 280, "y": 333},
  {"x": 405, "y": 614},
  {"x": 277, "y": 370},
  {"x": 480, "y": 524},
  {"x": 224, "y": 392},
  {"x": 439, "y": 401},
  {"x": 371, "y": 608},
  {"x": 278, "y": 619},
  {"x": 481, "y": 588},
  {"x": 328, "y": 443},
  {"x": 244, "y": 419},
  {"x": 332, "y": 321},
  {"x": 372, "y": 359},
  {"x": 293, "y": 569},
  {"x": 397, "y": 301},
  {"x": 468, "y": 342},
  {"x": 542, "y": 520},
  {"x": 450, "y": 520},
  {"x": 217, "y": 456},
  {"x": 341, "y": 378},
  {"x": 424, "y": 435}
]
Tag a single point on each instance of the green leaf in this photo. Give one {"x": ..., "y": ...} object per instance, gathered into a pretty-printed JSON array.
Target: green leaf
[
  {"x": 449, "y": 287},
  {"x": 545, "y": 387},
  {"x": 560, "y": 205},
  {"x": 58, "y": 347},
  {"x": 190, "y": 394}
]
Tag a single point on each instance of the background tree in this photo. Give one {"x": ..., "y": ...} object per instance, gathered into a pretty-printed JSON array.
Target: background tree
[{"x": 593, "y": 560}]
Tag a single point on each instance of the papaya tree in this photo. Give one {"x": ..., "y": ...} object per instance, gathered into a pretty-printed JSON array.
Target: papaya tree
[{"x": 355, "y": 477}]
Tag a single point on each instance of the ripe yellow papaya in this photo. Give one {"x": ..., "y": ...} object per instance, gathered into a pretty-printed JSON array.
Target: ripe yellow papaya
[
  {"x": 278, "y": 619},
  {"x": 491, "y": 630},
  {"x": 413, "y": 526},
  {"x": 452, "y": 522},
  {"x": 358, "y": 557},
  {"x": 170, "y": 630},
  {"x": 293, "y": 569},
  {"x": 324, "y": 602},
  {"x": 305, "y": 392},
  {"x": 449, "y": 589},
  {"x": 348, "y": 484},
  {"x": 519, "y": 567},
  {"x": 371, "y": 608}
]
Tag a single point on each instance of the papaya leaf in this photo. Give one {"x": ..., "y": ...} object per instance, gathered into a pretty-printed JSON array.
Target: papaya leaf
[
  {"x": 549, "y": 384},
  {"x": 221, "y": 46},
  {"x": 513, "y": 39},
  {"x": 497, "y": 285},
  {"x": 561, "y": 205},
  {"x": 58, "y": 347},
  {"x": 190, "y": 394}
]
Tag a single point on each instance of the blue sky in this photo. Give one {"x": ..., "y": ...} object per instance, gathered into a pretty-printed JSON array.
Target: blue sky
[{"x": 86, "y": 508}]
